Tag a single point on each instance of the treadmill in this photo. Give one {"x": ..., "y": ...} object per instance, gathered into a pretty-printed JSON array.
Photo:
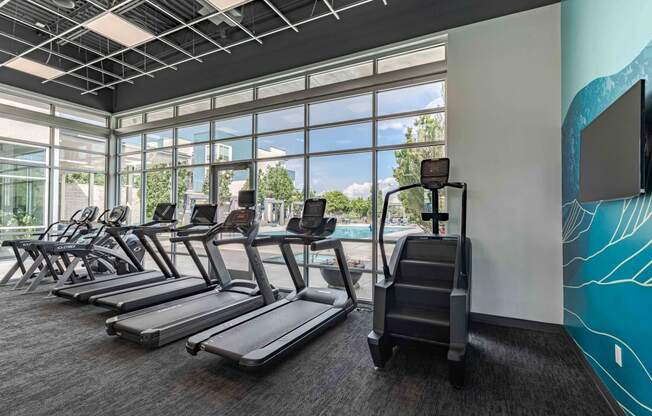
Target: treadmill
[
  {"x": 159, "y": 325},
  {"x": 202, "y": 220},
  {"x": 262, "y": 337},
  {"x": 163, "y": 221}
]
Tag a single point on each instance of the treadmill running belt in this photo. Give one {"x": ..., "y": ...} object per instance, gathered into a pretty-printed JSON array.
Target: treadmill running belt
[
  {"x": 83, "y": 292},
  {"x": 178, "y": 312},
  {"x": 148, "y": 296},
  {"x": 264, "y": 329}
]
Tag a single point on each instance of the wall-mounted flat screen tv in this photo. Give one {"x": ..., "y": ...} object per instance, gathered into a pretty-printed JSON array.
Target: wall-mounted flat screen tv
[{"x": 612, "y": 150}]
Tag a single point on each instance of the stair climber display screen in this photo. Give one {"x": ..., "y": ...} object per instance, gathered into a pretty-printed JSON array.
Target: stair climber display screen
[{"x": 425, "y": 295}]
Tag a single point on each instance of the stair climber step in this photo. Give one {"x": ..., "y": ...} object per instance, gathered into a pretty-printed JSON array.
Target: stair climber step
[
  {"x": 414, "y": 322},
  {"x": 431, "y": 249},
  {"x": 428, "y": 297},
  {"x": 424, "y": 272}
]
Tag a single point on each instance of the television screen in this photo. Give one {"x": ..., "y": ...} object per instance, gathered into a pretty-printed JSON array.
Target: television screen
[{"x": 612, "y": 148}]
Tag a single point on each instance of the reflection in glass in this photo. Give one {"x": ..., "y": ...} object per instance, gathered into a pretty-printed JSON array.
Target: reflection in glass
[
  {"x": 78, "y": 190},
  {"x": 71, "y": 159},
  {"x": 285, "y": 119},
  {"x": 193, "y": 134},
  {"x": 234, "y": 98},
  {"x": 232, "y": 150},
  {"x": 341, "y": 137},
  {"x": 296, "y": 84},
  {"x": 80, "y": 141},
  {"x": 417, "y": 129},
  {"x": 160, "y": 114},
  {"x": 130, "y": 144},
  {"x": 20, "y": 152},
  {"x": 193, "y": 187},
  {"x": 158, "y": 159},
  {"x": 233, "y": 127},
  {"x": 280, "y": 144},
  {"x": 131, "y": 162},
  {"x": 194, "y": 107},
  {"x": 159, "y": 139},
  {"x": 350, "y": 108},
  {"x": 35, "y": 133},
  {"x": 130, "y": 195},
  {"x": 194, "y": 155},
  {"x": 342, "y": 74},
  {"x": 415, "y": 98},
  {"x": 81, "y": 116},
  {"x": 23, "y": 196},
  {"x": 408, "y": 60}
]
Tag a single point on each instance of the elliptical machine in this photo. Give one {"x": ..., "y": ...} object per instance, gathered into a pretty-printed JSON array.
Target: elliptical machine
[{"x": 426, "y": 294}]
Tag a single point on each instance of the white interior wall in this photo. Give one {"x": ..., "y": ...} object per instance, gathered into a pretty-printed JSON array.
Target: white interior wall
[{"x": 504, "y": 121}]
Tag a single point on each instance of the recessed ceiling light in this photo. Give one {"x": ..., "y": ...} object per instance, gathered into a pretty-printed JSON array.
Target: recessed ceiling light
[
  {"x": 34, "y": 68},
  {"x": 117, "y": 29},
  {"x": 228, "y": 4}
]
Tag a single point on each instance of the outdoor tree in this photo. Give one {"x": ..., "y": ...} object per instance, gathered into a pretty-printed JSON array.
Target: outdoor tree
[
  {"x": 159, "y": 184},
  {"x": 408, "y": 161},
  {"x": 224, "y": 185},
  {"x": 361, "y": 207},
  {"x": 337, "y": 203},
  {"x": 275, "y": 182}
]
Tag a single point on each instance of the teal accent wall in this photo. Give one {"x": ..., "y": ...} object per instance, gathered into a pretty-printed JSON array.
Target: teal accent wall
[{"x": 607, "y": 245}]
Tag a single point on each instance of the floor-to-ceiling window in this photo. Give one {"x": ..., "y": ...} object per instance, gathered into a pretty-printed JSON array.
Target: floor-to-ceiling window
[
  {"x": 349, "y": 149},
  {"x": 47, "y": 172}
]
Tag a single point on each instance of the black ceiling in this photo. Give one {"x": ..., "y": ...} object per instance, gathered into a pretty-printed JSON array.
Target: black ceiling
[{"x": 360, "y": 28}]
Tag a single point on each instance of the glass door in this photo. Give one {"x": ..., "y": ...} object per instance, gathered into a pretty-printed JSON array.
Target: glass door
[{"x": 228, "y": 181}]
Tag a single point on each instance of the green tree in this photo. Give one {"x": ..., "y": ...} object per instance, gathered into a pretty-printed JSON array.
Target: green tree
[
  {"x": 224, "y": 185},
  {"x": 337, "y": 203},
  {"x": 159, "y": 187},
  {"x": 361, "y": 207},
  {"x": 408, "y": 169},
  {"x": 275, "y": 182}
]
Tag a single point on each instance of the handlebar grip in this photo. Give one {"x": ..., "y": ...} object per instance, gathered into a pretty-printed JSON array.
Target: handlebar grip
[{"x": 327, "y": 244}]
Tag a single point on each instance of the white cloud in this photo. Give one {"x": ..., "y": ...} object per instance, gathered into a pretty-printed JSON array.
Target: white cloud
[
  {"x": 363, "y": 190},
  {"x": 358, "y": 190},
  {"x": 387, "y": 184}
]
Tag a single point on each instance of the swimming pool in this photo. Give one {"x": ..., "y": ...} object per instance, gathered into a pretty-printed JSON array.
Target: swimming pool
[{"x": 352, "y": 232}]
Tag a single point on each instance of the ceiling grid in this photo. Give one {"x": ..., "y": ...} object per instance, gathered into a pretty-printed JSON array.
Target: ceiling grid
[{"x": 91, "y": 45}]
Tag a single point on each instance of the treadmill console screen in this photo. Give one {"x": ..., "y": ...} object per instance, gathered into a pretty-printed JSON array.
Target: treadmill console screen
[
  {"x": 313, "y": 213},
  {"x": 240, "y": 218},
  {"x": 164, "y": 212},
  {"x": 203, "y": 214}
]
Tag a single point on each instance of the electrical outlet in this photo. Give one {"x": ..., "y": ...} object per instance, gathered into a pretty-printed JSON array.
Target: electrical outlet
[{"x": 619, "y": 355}]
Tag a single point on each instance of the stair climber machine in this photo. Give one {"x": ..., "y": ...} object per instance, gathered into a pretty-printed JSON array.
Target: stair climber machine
[
  {"x": 202, "y": 220},
  {"x": 163, "y": 221},
  {"x": 261, "y": 337},
  {"x": 107, "y": 258},
  {"x": 77, "y": 229},
  {"x": 159, "y": 325},
  {"x": 57, "y": 231},
  {"x": 425, "y": 296}
]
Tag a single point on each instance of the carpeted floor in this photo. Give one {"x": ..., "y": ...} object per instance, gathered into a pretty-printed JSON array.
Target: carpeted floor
[{"x": 57, "y": 360}]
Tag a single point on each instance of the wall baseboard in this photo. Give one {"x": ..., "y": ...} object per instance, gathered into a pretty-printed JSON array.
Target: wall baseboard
[
  {"x": 516, "y": 323},
  {"x": 615, "y": 408}
]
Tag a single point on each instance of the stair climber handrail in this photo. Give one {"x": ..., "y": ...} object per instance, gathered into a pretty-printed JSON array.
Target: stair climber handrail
[{"x": 383, "y": 218}]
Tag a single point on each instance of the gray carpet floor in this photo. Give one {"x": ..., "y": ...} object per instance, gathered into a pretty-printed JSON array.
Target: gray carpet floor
[{"x": 57, "y": 360}]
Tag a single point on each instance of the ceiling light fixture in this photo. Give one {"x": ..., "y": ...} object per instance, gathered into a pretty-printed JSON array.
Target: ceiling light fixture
[
  {"x": 34, "y": 68},
  {"x": 64, "y": 4},
  {"x": 223, "y": 5},
  {"x": 119, "y": 30}
]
